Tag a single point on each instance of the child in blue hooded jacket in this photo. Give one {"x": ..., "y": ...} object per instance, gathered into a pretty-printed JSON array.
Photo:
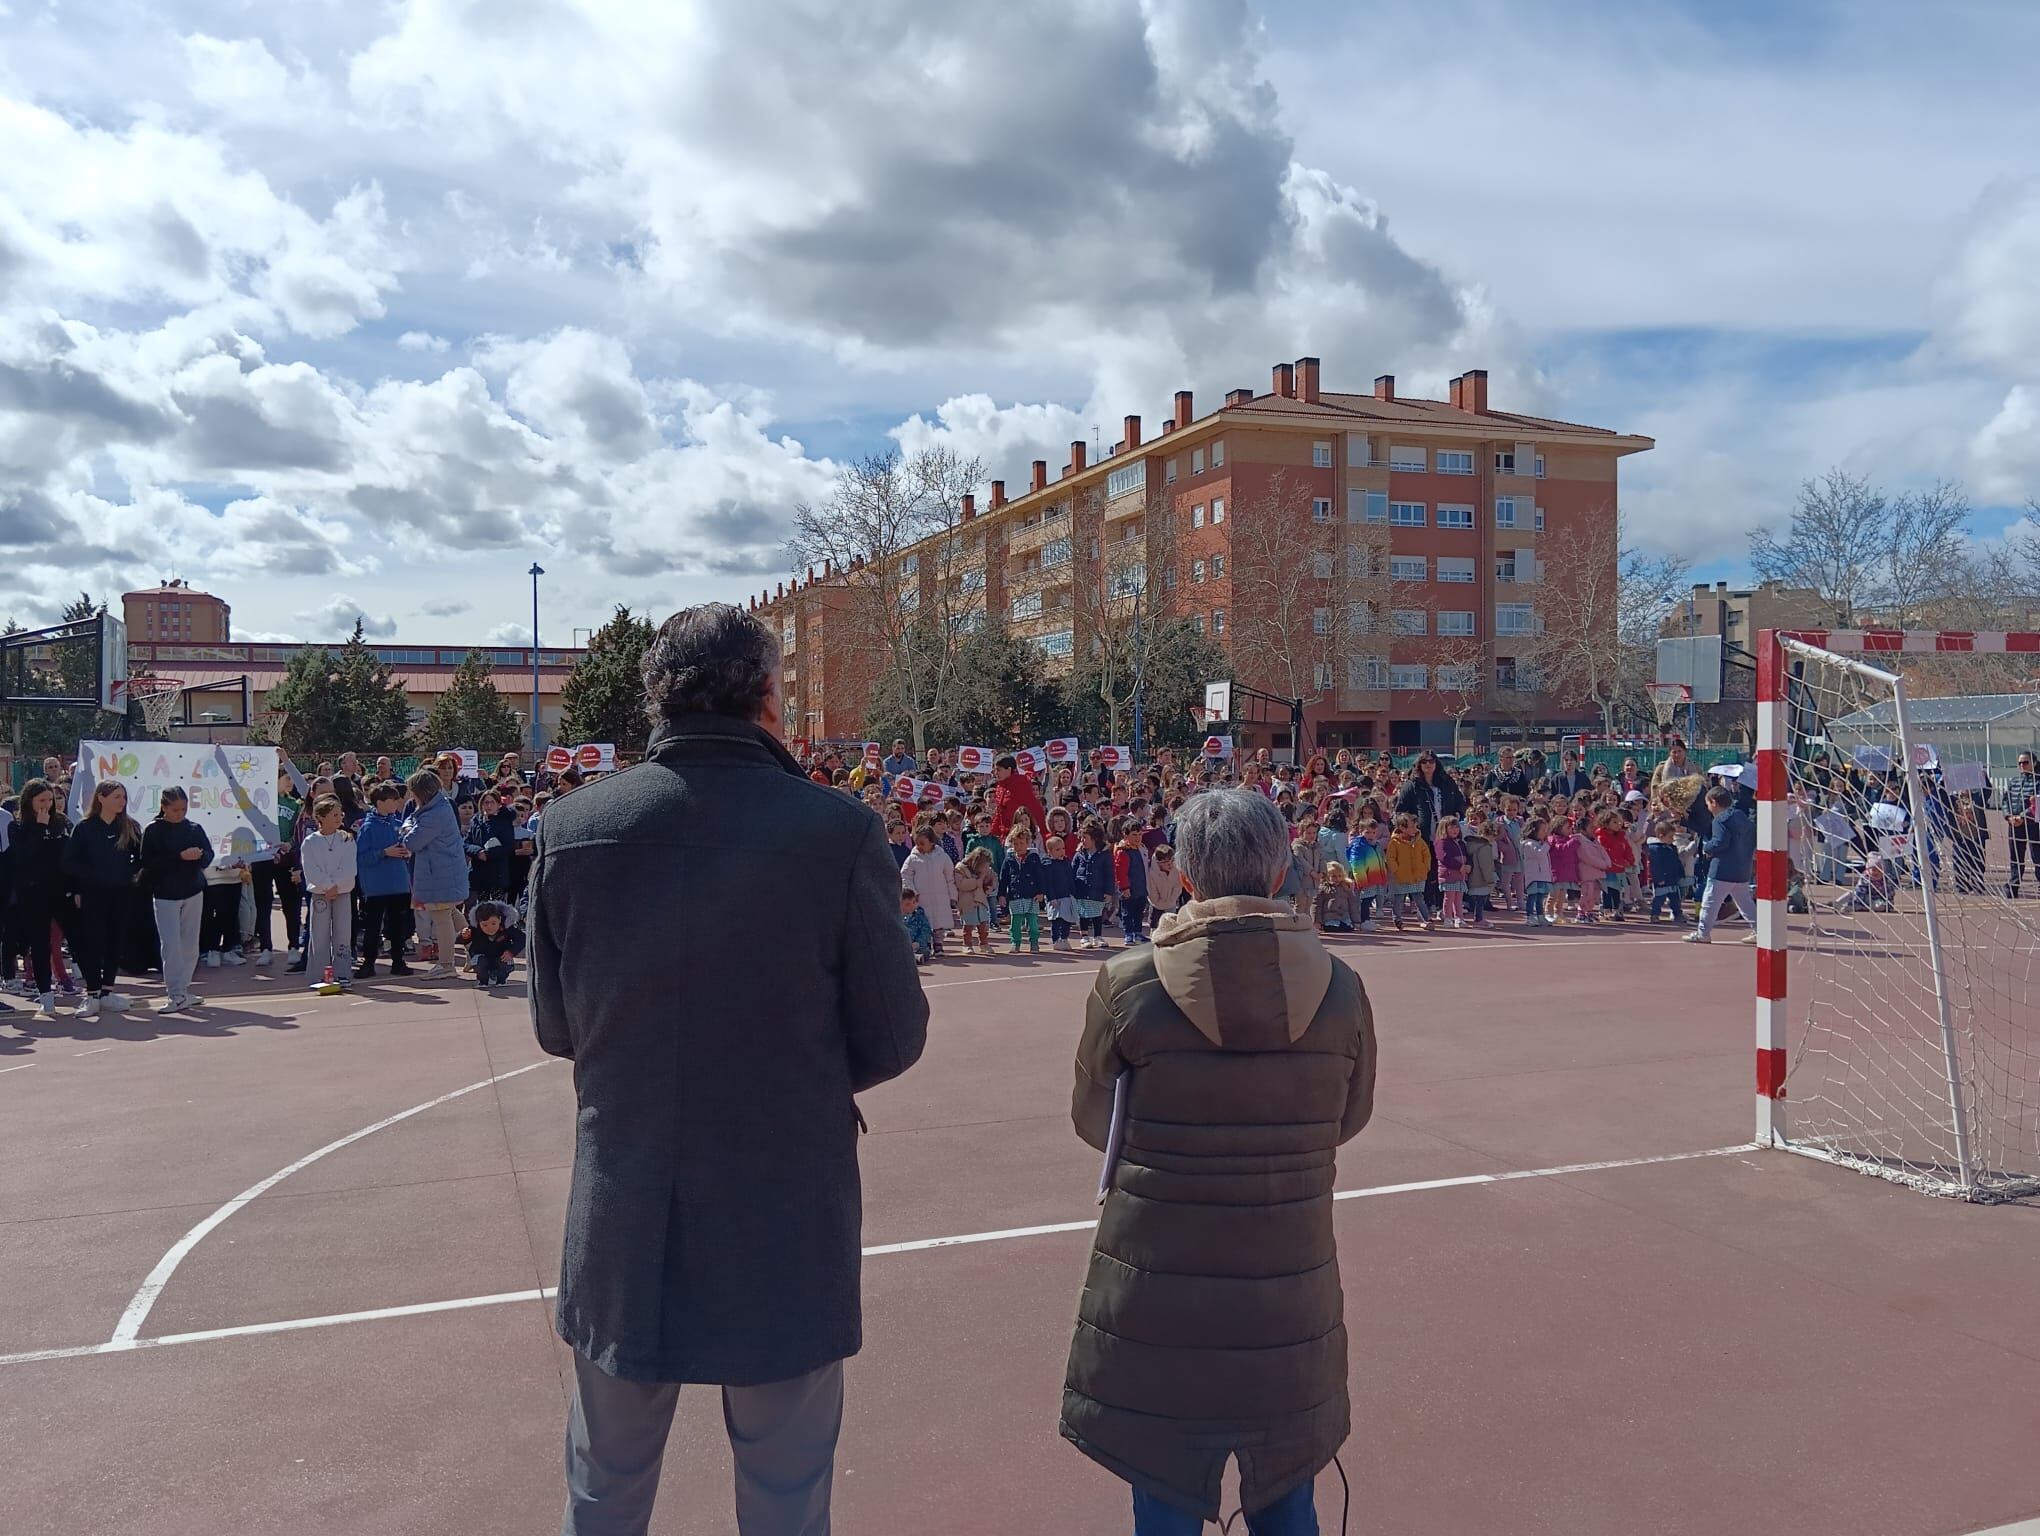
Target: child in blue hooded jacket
[{"x": 384, "y": 880}]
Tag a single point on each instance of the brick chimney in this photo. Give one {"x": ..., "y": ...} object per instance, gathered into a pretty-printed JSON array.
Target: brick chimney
[
  {"x": 1168, "y": 426},
  {"x": 779, "y": 590},
  {"x": 1238, "y": 397},
  {"x": 828, "y": 568},
  {"x": 969, "y": 508},
  {"x": 1384, "y": 387},
  {"x": 1473, "y": 396},
  {"x": 1078, "y": 458},
  {"x": 1133, "y": 431},
  {"x": 1184, "y": 414},
  {"x": 1039, "y": 482},
  {"x": 1457, "y": 387},
  {"x": 1285, "y": 381},
  {"x": 1307, "y": 380},
  {"x": 998, "y": 494}
]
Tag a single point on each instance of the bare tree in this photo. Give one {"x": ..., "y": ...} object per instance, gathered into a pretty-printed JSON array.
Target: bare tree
[
  {"x": 1292, "y": 586},
  {"x": 889, "y": 529},
  {"x": 1837, "y": 544},
  {"x": 1926, "y": 559},
  {"x": 1459, "y": 678},
  {"x": 1129, "y": 602},
  {"x": 1599, "y": 609}
]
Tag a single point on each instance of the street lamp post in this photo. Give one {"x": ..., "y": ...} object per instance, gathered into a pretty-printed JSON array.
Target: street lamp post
[{"x": 537, "y": 731}]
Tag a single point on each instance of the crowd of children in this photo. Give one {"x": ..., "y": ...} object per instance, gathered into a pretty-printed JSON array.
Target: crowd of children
[{"x": 432, "y": 867}]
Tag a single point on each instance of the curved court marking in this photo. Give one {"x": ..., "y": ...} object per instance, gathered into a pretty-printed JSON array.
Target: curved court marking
[
  {"x": 128, "y": 1330},
  {"x": 919, "y": 1245}
]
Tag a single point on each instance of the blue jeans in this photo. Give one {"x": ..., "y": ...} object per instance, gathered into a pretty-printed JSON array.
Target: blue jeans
[{"x": 1294, "y": 1514}]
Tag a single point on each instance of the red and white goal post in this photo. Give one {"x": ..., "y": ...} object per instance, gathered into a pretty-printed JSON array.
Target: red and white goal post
[{"x": 1908, "y": 1042}]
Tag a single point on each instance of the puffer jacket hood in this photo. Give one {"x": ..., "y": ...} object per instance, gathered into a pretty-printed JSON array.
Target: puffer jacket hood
[{"x": 1271, "y": 984}]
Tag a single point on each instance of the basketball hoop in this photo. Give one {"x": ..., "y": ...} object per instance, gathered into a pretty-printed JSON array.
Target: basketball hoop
[
  {"x": 1665, "y": 700},
  {"x": 1197, "y": 715},
  {"x": 158, "y": 698}
]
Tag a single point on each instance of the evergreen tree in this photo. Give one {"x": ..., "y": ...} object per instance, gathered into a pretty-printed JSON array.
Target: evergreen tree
[
  {"x": 1179, "y": 662},
  {"x": 472, "y": 713},
  {"x": 379, "y": 712},
  {"x": 318, "y": 718},
  {"x": 604, "y": 699}
]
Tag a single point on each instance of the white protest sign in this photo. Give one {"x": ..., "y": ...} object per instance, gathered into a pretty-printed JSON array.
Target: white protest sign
[
  {"x": 1964, "y": 777},
  {"x": 470, "y": 760},
  {"x": 1062, "y": 749},
  {"x": 1897, "y": 845},
  {"x": 232, "y": 790},
  {"x": 1114, "y": 757},
  {"x": 1924, "y": 755},
  {"x": 1217, "y": 748},
  {"x": 1032, "y": 761},
  {"x": 975, "y": 759},
  {"x": 905, "y": 789},
  {"x": 596, "y": 757},
  {"x": 1872, "y": 759}
]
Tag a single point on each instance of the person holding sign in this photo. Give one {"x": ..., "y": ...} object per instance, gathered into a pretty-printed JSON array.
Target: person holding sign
[
  {"x": 1012, "y": 792},
  {"x": 175, "y": 853}
]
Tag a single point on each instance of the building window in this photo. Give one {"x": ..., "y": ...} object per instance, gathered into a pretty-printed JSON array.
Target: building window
[
  {"x": 1218, "y": 621},
  {"x": 1217, "y": 567},
  {"x": 1406, "y": 514},
  {"x": 1321, "y": 621},
  {"x": 1197, "y": 570},
  {"x": 1217, "y": 509},
  {"x": 1321, "y": 565},
  {"x": 1169, "y": 472},
  {"x": 1366, "y": 672},
  {"x": 1359, "y": 619},
  {"x": 1455, "y": 517},
  {"x": 1505, "y": 511},
  {"x": 1321, "y": 509},
  {"x": 1409, "y": 679},
  {"x": 1411, "y": 459},
  {"x": 1027, "y": 606},
  {"x": 1505, "y": 567},
  {"x": 1359, "y": 563},
  {"x": 1515, "y": 619},
  {"x": 1454, "y": 461},
  {"x": 1197, "y": 515},
  {"x": 1458, "y": 677},
  {"x": 1196, "y": 461},
  {"x": 1408, "y": 568},
  {"x": 786, "y": 637},
  {"x": 1197, "y": 623},
  {"x": 1058, "y": 642},
  {"x": 973, "y": 581},
  {"x": 910, "y": 565},
  {"x": 1540, "y": 519},
  {"x": 1126, "y": 480},
  {"x": 1358, "y": 454},
  {"x": 1320, "y": 455},
  {"x": 1218, "y": 453},
  {"x": 1540, "y": 466},
  {"x": 1055, "y": 552},
  {"x": 1454, "y": 568},
  {"x": 910, "y": 598},
  {"x": 1322, "y": 677},
  {"x": 1455, "y": 623},
  {"x": 1411, "y": 621},
  {"x": 1169, "y": 578},
  {"x": 1505, "y": 463}
]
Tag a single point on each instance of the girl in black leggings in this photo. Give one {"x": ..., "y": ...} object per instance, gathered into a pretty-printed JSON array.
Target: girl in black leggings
[
  {"x": 35, "y": 854},
  {"x": 100, "y": 861}
]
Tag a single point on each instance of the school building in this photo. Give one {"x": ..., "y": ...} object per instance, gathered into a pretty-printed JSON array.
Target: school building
[{"x": 1379, "y": 556}]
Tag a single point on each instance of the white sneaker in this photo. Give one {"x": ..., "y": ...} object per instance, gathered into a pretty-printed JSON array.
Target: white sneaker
[
  {"x": 89, "y": 1009},
  {"x": 1696, "y": 937},
  {"x": 231, "y": 957},
  {"x": 46, "y": 1006},
  {"x": 212, "y": 960},
  {"x": 189, "y": 1001},
  {"x": 116, "y": 1002},
  {"x": 434, "y": 973}
]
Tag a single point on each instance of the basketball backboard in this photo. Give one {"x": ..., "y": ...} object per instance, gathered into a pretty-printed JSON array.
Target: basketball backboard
[
  {"x": 1217, "y": 702},
  {"x": 1694, "y": 660},
  {"x": 113, "y": 662}
]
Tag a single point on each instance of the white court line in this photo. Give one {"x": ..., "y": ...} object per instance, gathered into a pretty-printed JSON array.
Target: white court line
[
  {"x": 22, "y": 1068},
  {"x": 94, "y": 1052},
  {"x": 118, "y": 1345},
  {"x": 130, "y": 1326}
]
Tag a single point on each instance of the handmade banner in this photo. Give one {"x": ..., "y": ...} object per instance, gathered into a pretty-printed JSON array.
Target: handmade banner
[
  {"x": 1217, "y": 748},
  {"x": 1032, "y": 761},
  {"x": 975, "y": 759},
  {"x": 1114, "y": 758},
  {"x": 596, "y": 757},
  {"x": 1062, "y": 749},
  {"x": 232, "y": 789}
]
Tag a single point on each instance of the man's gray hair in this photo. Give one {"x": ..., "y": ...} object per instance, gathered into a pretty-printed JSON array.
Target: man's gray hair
[{"x": 1232, "y": 842}]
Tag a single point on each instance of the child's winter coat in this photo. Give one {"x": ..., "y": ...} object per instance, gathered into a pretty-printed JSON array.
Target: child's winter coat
[
  {"x": 1592, "y": 857},
  {"x": 375, "y": 871},
  {"x": 1564, "y": 849},
  {"x": 1022, "y": 879},
  {"x": 1337, "y": 904},
  {"x": 1092, "y": 872},
  {"x": 1367, "y": 864},
  {"x": 1129, "y": 872},
  {"x": 1666, "y": 868},
  {"x": 920, "y": 933},
  {"x": 1058, "y": 878},
  {"x": 1409, "y": 861},
  {"x": 1451, "y": 853},
  {"x": 974, "y": 890},
  {"x": 933, "y": 879},
  {"x": 1614, "y": 843},
  {"x": 1480, "y": 864},
  {"x": 1536, "y": 861}
]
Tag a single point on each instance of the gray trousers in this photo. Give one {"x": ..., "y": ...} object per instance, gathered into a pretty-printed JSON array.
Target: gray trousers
[
  {"x": 782, "y": 1437},
  {"x": 329, "y": 938},
  {"x": 177, "y": 924}
]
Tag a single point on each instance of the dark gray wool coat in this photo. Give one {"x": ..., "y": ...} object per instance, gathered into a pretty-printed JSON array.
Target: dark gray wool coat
[{"x": 716, "y": 944}]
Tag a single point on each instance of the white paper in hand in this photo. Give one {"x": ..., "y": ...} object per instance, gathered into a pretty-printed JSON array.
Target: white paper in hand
[{"x": 1115, "y": 1135}]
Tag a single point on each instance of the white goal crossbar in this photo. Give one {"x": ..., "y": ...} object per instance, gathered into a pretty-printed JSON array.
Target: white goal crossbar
[{"x": 1916, "y": 1054}]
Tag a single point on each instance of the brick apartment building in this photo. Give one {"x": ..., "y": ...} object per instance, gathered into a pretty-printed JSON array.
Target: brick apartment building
[
  {"x": 1444, "y": 506},
  {"x": 176, "y": 613}
]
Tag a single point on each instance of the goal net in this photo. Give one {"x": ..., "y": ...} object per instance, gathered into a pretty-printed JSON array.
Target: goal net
[{"x": 1899, "y": 894}]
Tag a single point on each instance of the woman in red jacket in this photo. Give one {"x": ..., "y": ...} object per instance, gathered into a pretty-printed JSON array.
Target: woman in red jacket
[{"x": 1012, "y": 792}]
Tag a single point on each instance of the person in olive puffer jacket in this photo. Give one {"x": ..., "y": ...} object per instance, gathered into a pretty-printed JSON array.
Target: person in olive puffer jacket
[{"x": 1232, "y": 1057}]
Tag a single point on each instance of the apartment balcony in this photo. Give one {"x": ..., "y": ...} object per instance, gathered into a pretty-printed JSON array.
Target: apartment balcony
[
  {"x": 1120, "y": 508},
  {"x": 1362, "y": 701},
  {"x": 1043, "y": 578},
  {"x": 1022, "y": 540}
]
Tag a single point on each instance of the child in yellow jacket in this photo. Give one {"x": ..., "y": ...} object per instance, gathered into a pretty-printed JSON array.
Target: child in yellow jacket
[{"x": 1409, "y": 866}]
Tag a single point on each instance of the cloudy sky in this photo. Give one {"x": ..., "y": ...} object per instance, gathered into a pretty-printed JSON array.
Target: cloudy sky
[{"x": 342, "y": 307}]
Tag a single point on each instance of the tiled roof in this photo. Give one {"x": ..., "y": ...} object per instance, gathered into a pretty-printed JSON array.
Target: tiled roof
[{"x": 1428, "y": 412}]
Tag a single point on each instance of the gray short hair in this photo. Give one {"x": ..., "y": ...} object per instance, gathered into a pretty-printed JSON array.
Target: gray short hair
[{"x": 1232, "y": 842}]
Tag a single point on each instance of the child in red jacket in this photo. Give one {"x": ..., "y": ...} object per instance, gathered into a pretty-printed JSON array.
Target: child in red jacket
[{"x": 1613, "y": 836}]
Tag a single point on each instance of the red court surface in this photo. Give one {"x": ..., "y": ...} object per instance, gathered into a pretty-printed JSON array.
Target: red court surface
[{"x": 1739, "y": 1342}]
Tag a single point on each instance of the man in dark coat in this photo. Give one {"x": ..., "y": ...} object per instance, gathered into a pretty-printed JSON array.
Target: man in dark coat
[
  {"x": 716, "y": 945},
  {"x": 1226, "y": 1062}
]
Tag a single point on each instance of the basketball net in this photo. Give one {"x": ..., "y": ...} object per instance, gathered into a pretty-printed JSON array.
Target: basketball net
[
  {"x": 1197, "y": 715},
  {"x": 1665, "y": 699},
  {"x": 158, "y": 698}
]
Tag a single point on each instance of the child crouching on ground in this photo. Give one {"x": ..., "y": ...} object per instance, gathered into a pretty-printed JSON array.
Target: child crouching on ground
[
  {"x": 1335, "y": 899},
  {"x": 493, "y": 939},
  {"x": 1872, "y": 891},
  {"x": 919, "y": 933}
]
